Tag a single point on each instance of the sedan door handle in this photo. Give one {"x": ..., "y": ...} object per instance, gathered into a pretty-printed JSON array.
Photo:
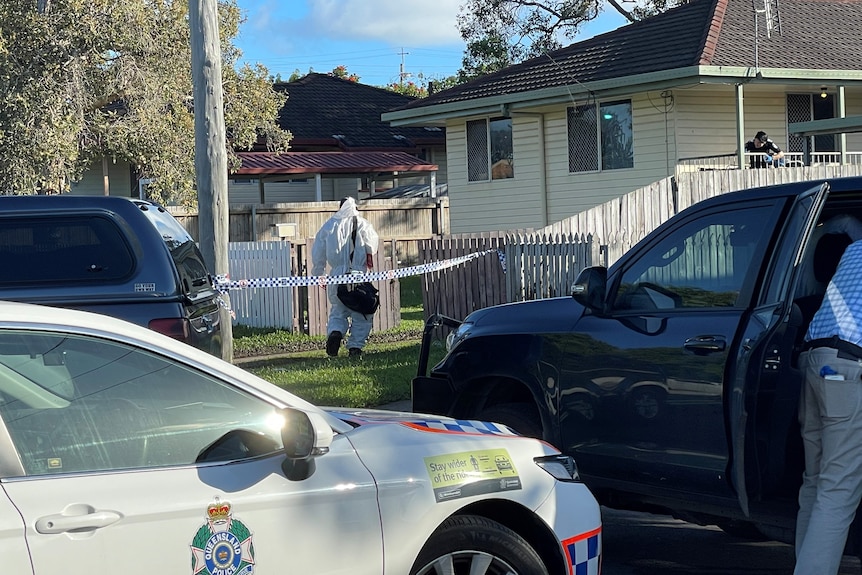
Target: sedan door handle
[
  {"x": 705, "y": 343},
  {"x": 77, "y": 518}
]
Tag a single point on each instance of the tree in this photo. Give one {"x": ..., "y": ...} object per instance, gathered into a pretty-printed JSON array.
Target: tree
[
  {"x": 409, "y": 88},
  {"x": 85, "y": 80},
  {"x": 424, "y": 86},
  {"x": 341, "y": 72},
  {"x": 485, "y": 55},
  {"x": 499, "y": 33}
]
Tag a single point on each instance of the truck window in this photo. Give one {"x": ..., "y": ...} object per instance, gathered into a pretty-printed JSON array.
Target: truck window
[
  {"x": 187, "y": 257},
  {"x": 781, "y": 269},
  {"x": 704, "y": 263},
  {"x": 69, "y": 249}
]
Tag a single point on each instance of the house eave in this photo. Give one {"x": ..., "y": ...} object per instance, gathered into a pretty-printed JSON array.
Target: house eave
[
  {"x": 779, "y": 75},
  {"x": 438, "y": 114}
]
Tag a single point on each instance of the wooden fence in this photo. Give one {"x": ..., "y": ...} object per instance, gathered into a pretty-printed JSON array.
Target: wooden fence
[
  {"x": 398, "y": 219},
  {"x": 455, "y": 292},
  {"x": 400, "y": 223},
  {"x": 619, "y": 224},
  {"x": 545, "y": 264},
  {"x": 536, "y": 266},
  {"x": 541, "y": 266},
  {"x": 303, "y": 309}
]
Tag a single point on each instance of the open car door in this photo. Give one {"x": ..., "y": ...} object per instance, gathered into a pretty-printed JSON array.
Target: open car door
[{"x": 763, "y": 397}]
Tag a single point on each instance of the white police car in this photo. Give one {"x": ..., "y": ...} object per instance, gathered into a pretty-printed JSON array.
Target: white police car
[{"x": 124, "y": 451}]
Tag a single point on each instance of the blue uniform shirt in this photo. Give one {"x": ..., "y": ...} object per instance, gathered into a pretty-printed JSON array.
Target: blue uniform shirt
[{"x": 841, "y": 311}]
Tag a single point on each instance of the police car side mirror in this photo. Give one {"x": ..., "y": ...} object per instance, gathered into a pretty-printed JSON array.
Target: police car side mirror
[
  {"x": 304, "y": 436},
  {"x": 590, "y": 288}
]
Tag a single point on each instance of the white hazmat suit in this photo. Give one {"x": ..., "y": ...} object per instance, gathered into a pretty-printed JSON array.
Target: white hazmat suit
[{"x": 332, "y": 246}]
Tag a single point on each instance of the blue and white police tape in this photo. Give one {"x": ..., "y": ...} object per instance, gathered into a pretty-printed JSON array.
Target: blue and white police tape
[{"x": 223, "y": 283}]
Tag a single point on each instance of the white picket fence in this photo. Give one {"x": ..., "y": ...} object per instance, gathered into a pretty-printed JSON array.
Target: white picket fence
[{"x": 261, "y": 307}]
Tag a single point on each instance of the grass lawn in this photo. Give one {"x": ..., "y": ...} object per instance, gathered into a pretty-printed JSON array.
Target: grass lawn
[{"x": 382, "y": 375}]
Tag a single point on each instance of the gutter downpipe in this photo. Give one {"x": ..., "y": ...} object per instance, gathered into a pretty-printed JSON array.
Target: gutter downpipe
[{"x": 543, "y": 173}]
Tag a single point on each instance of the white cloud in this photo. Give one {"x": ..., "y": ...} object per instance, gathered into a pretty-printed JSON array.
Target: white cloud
[{"x": 409, "y": 22}]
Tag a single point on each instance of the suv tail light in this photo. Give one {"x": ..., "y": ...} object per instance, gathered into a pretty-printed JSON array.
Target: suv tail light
[{"x": 175, "y": 327}]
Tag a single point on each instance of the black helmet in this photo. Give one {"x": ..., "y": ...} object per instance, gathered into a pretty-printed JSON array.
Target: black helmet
[{"x": 761, "y": 136}]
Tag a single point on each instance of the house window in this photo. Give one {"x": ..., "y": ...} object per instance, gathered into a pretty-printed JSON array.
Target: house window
[
  {"x": 244, "y": 181},
  {"x": 489, "y": 150},
  {"x": 600, "y": 141}
]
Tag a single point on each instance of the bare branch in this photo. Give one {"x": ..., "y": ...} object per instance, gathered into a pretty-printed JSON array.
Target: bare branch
[{"x": 626, "y": 14}]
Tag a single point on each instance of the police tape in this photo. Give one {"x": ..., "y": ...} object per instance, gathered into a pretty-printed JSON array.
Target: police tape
[{"x": 224, "y": 283}]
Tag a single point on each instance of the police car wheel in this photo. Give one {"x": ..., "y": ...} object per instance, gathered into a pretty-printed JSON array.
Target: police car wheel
[{"x": 473, "y": 544}]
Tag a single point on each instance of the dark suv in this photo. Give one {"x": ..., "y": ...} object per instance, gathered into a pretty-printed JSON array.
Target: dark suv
[
  {"x": 115, "y": 256},
  {"x": 671, "y": 377}
]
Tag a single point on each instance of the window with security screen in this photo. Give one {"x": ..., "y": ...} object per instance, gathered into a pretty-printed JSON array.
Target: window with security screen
[
  {"x": 489, "y": 150},
  {"x": 477, "y": 150},
  {"x": 600, "y": 136},
  {"x": 583, "y": 139}
]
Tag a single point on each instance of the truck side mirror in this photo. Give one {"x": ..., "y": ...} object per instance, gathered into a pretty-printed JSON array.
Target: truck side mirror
[{"x": 590, "y": 288}]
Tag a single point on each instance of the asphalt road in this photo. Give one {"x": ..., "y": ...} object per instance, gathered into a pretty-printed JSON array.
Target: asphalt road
[{"x": 646, "y": 544}]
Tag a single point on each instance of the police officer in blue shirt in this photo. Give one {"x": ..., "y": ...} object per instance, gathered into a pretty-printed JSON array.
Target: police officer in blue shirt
[{"x": 830, "y": 414}]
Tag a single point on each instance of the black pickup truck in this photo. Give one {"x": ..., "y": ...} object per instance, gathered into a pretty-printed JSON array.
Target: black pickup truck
[{"x": 670, "y": 377}]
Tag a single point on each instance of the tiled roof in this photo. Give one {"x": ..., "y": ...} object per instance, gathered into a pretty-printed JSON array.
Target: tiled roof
[
  {"x": 816, "y": 34},
  {"x": 263, "y": 163},
  {"x": 320, "y": 106}
]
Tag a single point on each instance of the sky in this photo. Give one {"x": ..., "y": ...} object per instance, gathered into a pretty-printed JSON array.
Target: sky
[{"x": 376, "y": 39}]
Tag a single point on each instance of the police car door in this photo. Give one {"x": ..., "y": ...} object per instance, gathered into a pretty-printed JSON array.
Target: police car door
[
  {"x": 130, "y": 462},
  {"x": 764, "y": 394}
]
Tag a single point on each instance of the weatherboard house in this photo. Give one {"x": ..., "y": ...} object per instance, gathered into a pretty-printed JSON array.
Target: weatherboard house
[
  {"x": 684, "y": 90},
  {"x": 340, "y": 147}
]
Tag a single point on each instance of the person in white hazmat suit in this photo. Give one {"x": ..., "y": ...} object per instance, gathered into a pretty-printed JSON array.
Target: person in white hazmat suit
[{"x": 332, "y": 246}]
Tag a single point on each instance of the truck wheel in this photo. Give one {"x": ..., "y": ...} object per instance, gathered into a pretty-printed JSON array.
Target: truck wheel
[
  {"x": 473, "y": 544},
  {"x": 518, "y": 416}
]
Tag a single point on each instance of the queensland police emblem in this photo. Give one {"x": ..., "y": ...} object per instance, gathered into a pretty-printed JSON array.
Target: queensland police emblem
[{"x": 222, "y": 546}]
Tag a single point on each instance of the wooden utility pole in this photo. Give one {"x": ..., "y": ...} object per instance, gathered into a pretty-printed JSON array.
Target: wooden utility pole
[{"x": 210, "y": 151}]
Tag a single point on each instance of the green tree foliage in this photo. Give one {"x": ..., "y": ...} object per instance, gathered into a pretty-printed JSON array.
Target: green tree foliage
[
  {"x": 87, "y": 79},
  {"x": 499, "y": 33},
  {"x": 408, "y": 89},
  {"x": 339, "y": 72},
  {"x": 423, "y": 86}
]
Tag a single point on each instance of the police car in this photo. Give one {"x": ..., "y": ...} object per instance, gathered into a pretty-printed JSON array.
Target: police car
[{"x": 124, "y": 451}]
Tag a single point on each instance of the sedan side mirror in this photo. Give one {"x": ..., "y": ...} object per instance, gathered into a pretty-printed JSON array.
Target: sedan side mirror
[
  {"x": 590, "y": 288},
  {"x": 304, "y": 436}
]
